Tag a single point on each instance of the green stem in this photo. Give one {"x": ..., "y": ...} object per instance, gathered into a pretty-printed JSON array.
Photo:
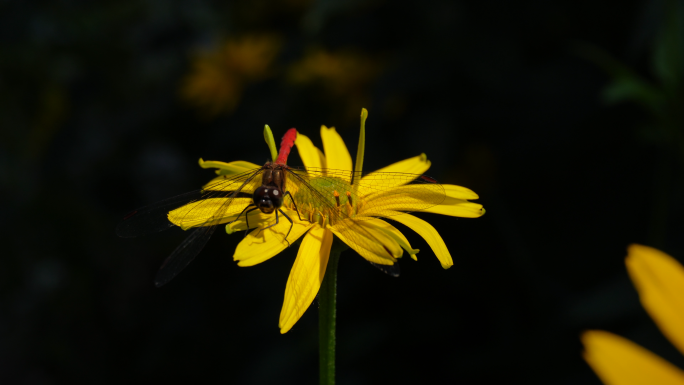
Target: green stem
[{"x": 327, "y": 298}]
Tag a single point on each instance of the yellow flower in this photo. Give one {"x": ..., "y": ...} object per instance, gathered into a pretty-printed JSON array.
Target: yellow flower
[
  {"x": 217, "y": 78},
  {"x": 353, "y": 215},
  {"x": 340, "y": 73},
  {"x": 343, "y": 76},
  {"x": 659, "y": 280}
]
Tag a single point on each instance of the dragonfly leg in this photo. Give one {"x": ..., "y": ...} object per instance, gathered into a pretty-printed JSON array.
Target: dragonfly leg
[
  {"x": 246, "y": 215},
  {"x": 269, "y": 226},
  {"x": 278, "y": 221},
  {"x": 295, "y": 206},
  {"x": 247, "y": 218},
  {"x": 291, "y": 226}
]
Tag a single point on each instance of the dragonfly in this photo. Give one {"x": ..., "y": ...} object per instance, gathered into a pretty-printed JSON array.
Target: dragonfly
[{"x": 317, "y": 195}]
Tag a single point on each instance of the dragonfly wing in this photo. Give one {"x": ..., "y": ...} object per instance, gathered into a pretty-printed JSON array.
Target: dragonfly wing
[
  {"x": 203, "y": 209},
  {"x": 208, "y": 205},
  {"x": 320, "y": 190},
  {"x": 222, "y": 201},
  {"x": 153, "y": 218},
  {"x": 382, "y": 194},
  {"x": 392, "y": 270},
  {"x": 184, "y": 254},
  {"x": 387, "y": 194}
]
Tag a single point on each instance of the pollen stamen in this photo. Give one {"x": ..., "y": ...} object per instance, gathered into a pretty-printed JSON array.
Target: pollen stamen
[
  {"x": 337, "y": 197},
  {"x": 350, "y": 204},
  {"x": 329, "y": 217},
  {"x": 320, "y": 218}
]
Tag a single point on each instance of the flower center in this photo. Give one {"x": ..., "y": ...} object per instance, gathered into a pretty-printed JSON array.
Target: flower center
[{"x": 331, "y": 200}]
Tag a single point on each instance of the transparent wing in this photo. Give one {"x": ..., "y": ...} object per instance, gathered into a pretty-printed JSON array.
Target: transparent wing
[
  {"x": 375, "y": 195},
  {"x": 222, "y": 201},
  {"x": 183, "y": 254},
  {"x": 153, "y": 218},
  {"x": 383, "y": 194},
  {"x": 392, "y": 270},
  {"x": 386, "y": 194},
  {"x": 216, "y": 203},
  {"x": 205, "y": 207}
]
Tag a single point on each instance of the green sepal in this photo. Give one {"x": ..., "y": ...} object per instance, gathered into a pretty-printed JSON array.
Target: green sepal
[
  {"x": 268, "y": 136},
  {"x": 358, "y": 165},
  {"x": 236, "y": 167}
]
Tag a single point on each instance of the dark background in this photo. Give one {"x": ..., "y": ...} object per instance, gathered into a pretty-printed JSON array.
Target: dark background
[{"x": 564, "y": 116}]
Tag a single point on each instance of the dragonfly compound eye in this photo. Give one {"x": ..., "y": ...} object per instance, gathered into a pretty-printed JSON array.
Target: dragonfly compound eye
[{"x": 267, "y": 199}]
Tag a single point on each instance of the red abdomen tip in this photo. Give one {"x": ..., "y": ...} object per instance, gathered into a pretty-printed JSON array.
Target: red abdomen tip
[{"x": 286, "y": 145}]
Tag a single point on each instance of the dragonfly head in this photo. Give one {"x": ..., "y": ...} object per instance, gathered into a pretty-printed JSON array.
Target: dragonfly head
[{"x": 268, "y": 198}]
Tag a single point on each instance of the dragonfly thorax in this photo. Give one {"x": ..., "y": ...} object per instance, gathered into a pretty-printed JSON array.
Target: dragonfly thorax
[{"x": 269, "y": 196}]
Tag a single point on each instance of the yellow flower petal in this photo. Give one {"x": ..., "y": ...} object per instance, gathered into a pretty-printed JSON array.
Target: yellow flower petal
[
  {"x": 382, "y": 234},
  {"x": 371, "y": 242},
  {"x": 202, "y": 213},
  {"x": 659, "y": 279},
  {"x": 231, "y": 168},
  {"x": 336, "y": 154},
  {"x": 306, "y": 276},
  {"x": 259, "y": 219},
  {"x": 415, "y": 197},
  {"x": 458, "y": 192},
  {"x": 431, "y": 236},
  {"x": 256, "y": 219},
  {"x": 230, "y": 182},
  {"x": 260, "y": 245},
  {"x": 416, "y": 165},
  {"x": 463, "y": 209},
  {"x": 618, "y": 361},
  {"x": 395, "y": 234},
  {"x": 311, "y": 156}
]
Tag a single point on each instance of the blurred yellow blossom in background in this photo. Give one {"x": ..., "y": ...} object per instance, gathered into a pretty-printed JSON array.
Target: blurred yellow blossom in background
[
  {"x": 217, "y": 78},
  {"x": 344, "y": 76}
]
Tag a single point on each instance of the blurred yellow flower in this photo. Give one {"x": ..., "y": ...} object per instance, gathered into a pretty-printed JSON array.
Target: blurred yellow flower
[
  {"x": 659, "y": 280},
  {"x": 217, "y": 78},
  {"x": 343, "y": 75},
  {"x": 352, "y": 214}
]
